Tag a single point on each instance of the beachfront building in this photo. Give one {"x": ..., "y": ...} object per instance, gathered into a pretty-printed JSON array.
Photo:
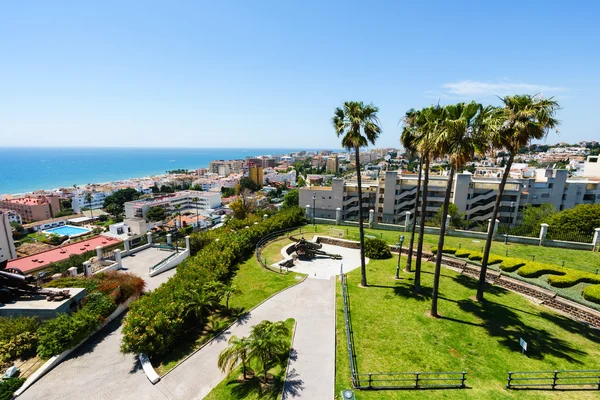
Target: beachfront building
[
  {"x": 183, "y": 199},
  {"x": 226, "y": 167},
  {"x": 392, "y": 195},
  {"x": 7, "y": 244},
  {"x": 32, "y": 207},
  {"x": 13, "y": 216},
  {"x": 80, "y": 201}
]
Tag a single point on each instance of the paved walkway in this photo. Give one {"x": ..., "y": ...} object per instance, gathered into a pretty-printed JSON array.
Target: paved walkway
[
  {"x": 97, "y": 370},
  {"x": 312, "y": 371}
]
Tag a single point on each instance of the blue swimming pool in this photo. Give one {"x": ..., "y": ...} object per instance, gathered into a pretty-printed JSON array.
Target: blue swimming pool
[{"x": 67, "y": 230}]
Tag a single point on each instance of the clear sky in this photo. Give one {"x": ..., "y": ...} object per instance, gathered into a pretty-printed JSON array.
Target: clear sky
[{"x": 270, "y": 73}]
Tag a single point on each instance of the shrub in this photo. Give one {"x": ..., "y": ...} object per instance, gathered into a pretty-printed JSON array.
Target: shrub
[
  {"x": 90, "y": 284},
  {"x": 98, "y": 304},
  {"x": 573, "y": 277},
  {"x": 9, "y": 386},
  {"x": 18, "y": 337},
  {"x": 446, "y": 250},
  {"x": 128, "y": 283},
  {"x": 592, "y": 293},
  {"x": 377, "y": 249},
  {"x": 478, "y": 256},
  {"x": 462, "y": 253},
  {"x": 534, "y": 270},
  {"x": 511, "y": 264}
]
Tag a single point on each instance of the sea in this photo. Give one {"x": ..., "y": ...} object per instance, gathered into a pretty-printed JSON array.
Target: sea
[{"x": 28, "y": 169}]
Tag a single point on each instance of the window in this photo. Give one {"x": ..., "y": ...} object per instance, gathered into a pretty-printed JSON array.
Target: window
[{"x": 545, "y": 195}]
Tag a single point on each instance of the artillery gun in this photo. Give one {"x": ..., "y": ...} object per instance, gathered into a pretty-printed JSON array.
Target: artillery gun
[
  {"x": 14, "y": 284},
  {"x": 310, "y": 250}
]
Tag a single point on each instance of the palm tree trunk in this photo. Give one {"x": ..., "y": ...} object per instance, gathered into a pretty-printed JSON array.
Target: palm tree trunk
[
  {"x": 197, "y": 225},
  {"x": 491, "y": 226},
  {"x": 413, "y": 228},
  {"x": 363, "y": 268},
  {"x": 417, "y": 281},
  {"x": 438, "y": 258},
  {"x": 244, "y": 367}
]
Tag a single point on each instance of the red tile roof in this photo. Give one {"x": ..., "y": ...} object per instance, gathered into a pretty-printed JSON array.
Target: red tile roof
[{"x": 38, "y": 261}]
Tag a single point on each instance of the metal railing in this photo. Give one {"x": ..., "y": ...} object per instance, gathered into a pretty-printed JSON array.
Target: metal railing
[
  {"x": 155, "y": 266},
  {"x": 393, "y": 380},
  {"x": 264, "y": 241},
  {"x": 565, "y": 379}
]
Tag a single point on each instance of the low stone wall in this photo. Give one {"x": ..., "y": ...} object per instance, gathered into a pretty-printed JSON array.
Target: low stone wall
[{"x": 350, "y": 244}]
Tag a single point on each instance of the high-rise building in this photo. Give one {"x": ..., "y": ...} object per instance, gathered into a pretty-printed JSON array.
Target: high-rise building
[
  {"x": 333, "y": 164},
  {"x": 255, "y": 173}
]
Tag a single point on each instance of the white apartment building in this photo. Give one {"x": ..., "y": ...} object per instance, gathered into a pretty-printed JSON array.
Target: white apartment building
[
  {"x": 183, "y": 199},
  {"x": 80, "y": 202},
  {"x": 13, "y": 216},
  {"x": 393, "y": 194},
  {"x": 225, "y": 167},
  {"x": 274, "y": 176},
  {"x": 7, "y": 244}
]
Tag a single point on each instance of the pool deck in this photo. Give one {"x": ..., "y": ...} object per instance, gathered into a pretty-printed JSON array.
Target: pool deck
[{"x": 41, "y": 260}]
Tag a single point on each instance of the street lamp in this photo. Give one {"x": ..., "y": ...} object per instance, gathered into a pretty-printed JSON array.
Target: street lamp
[
  {"x": 512, "y": 206},
  {"x": 399, "y": 245},
  {"x": 314, "y": 210}
]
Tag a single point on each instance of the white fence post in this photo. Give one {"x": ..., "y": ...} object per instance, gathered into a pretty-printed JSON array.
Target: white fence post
[
  {"x": 371, "y": 218},
  {"x": 407, "y": 221},
  {"x": 87, "y": 268},
  {"x": 99, "y": 253},
  {"x": 338, "y": 216},
  {"x": 118, "y": 258},
  {"x": 543, "y": 232},
  {"x": 596, "y": 240}
]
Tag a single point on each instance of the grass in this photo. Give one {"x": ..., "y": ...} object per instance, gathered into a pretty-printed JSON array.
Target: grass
[
  {"x": 578, "y": 259},
  {"x": 393, "y": 332},
  {"x": 234, "y": 386},
  {"x": 255, "y": 284}
]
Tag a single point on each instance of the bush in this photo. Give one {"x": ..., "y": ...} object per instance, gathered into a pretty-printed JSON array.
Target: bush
[
  {"x": 534, "y": 270},
  {"x": 377, "y": 249},
  {"x": 9, "y": 386},
  {"x": 446, "y": 250},
  {"x": 573, "y": 277},
  {"x": 592, "y": 293},
  {"x": 462, "y": 253},
  {"x": 18, "y": 337},
  {"x": 478, "y": 256},
  {"x": 98, "y": 304},
  {"x": 511, "y": 264},
  {"x": 129, "y": 285},
  {"x": 90, "y": 284}
]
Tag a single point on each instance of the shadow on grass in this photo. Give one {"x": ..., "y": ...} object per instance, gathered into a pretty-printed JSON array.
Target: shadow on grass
[
  {"x": 407, "y": 291},
  {"x": 241, "y": 389},
  {"x": 506, "y": 326}
]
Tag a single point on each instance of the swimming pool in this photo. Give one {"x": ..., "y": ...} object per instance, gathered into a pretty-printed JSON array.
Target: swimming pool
[{"x": 68, "y": 230}]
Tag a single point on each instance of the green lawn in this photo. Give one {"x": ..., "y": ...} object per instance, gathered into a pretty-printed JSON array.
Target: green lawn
[
  {"x": 255, "y": 284},
  {"x": 234, "y": 387},
  {"x": 392, "y": 332},
  {"x": 577, "y": 259}
]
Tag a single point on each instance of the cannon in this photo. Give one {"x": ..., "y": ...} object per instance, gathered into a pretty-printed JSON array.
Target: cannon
[
  {"x": 310, "y": 250},
  {"x": 14, "y": 284}
]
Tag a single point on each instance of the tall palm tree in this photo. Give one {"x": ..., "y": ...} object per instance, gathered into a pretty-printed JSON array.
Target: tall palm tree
[
  {"x": 237, "y": 351},
  {"x": 520, "y": 119},
  {"x": 431, "y": 124},
  {"x": 88, "y": 199},
  {"x": 358, "y": 125},
  {"x": 407, "y": 138},
  {"x": 459, "y": 140}
]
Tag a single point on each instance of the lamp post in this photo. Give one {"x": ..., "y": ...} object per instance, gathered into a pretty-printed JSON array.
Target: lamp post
[
  {"x": 512, "y": 205},
  {"x": 399, "y": 244},
  {"x": 314, "y": 210}
]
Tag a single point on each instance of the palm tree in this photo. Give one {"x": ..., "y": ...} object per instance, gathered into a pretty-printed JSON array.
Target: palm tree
[
  {"x": 88, "y": 199},
  {"x": 358, "y": 125},
  {"x": 268, "y": 341},
  {"x": 228, "y": 291},
  {"x": 407, "y": 138},
  {"x": 195, "y": 200},
  {"x": 520, "y": 119},
  {"x": 199, "y": 303},
  {"x": 236, "y": 352},
  {"x": 431, "y": 124},
  {"x": 459, "y": 140}
]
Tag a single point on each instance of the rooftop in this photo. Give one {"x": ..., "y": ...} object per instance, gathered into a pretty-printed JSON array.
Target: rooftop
[{"x": 38, "y": 261}]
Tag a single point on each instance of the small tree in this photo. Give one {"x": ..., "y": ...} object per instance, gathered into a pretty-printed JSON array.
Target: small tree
[
  {"x": 268, "y": 342},
  {"x": 291, "y": 199},
  {"x": 156, "y": 214},
  {"x": 236, "y": 352}
]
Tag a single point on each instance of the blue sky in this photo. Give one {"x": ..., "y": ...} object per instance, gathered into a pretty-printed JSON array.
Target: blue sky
[{"x": 270, "y": 73}]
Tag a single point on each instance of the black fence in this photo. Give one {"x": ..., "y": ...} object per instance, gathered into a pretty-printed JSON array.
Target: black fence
[
  {"x": 560, "y": 380},
  {"x": 570, "y": 236},
  {"x": 392, "y": 380}
]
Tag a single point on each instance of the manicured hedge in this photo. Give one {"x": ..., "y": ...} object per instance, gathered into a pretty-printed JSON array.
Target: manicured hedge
[
  {"x": 462, "y": 253},
  {"x": 446, "y": 250},
  {"x": 592, "y": 293},
  {"x": 534, "y": 269},
  {"x": 573, "y": 277},
  {"x": 511, "y": 264},
  {"x": 156, "y": 322},
  {"x": 478, "y": 256},
  {"x": 377, "y": 249}
]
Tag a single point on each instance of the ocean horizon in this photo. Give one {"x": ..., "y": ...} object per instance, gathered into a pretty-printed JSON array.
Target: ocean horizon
[{"x": 27, "y": 169}]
